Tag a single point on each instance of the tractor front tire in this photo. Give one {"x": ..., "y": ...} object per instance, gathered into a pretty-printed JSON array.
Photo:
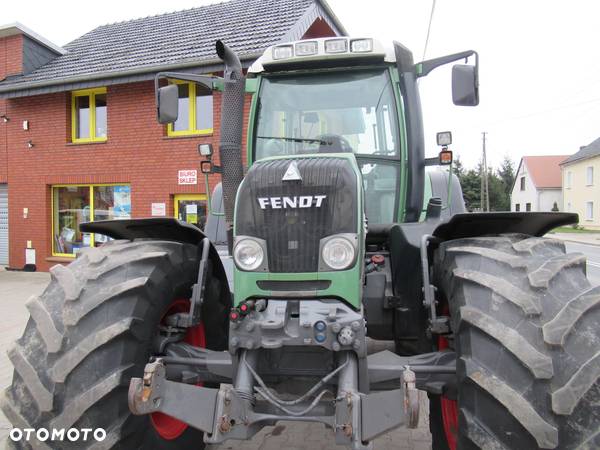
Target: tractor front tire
[
  {"x": 525, "y": 322},
  {"x": 89, "y": 333}
]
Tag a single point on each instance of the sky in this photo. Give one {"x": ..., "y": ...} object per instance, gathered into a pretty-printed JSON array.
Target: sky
[{"x": 539, "y": 62}]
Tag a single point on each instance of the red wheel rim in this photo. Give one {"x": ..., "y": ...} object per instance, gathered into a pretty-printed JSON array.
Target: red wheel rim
[
  {"x": 449, "y": 409},
  {"x": 166, "y": 426}
]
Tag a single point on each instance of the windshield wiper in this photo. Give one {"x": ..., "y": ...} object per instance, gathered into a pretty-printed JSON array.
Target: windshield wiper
[{"x": 291, "y": 139}]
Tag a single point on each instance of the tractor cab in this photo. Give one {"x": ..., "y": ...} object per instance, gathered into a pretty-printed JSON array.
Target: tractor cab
[{"x": 305, "y": 105}]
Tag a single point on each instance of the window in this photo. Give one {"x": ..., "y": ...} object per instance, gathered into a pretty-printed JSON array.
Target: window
[
  {"x": 191, "y": 208},
  {"x": 195, "y": 111},
  {"x": 589, "y": 174},
  {"x": 349, "y": 111},
  {"x": 89, "y": 115},
  {"x": 522, "y": 183},
  {"x": 589, "y": 210},
  {"x": 380, "y": 181},
  {"x": 569, "y": 176},
  {"x": 569, "y": 207},
  {"x": 75, "y": 204},
  {"x": 518, "y": 207},
  {"x": 527, "y": 206}
]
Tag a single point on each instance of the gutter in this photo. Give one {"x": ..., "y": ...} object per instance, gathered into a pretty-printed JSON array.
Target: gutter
[{"x": 123, "y": 73}]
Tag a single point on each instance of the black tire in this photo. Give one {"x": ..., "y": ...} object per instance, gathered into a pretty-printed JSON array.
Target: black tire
[
  {"x": 90, "y": 332},
  {"x": 525, "y": 321}
]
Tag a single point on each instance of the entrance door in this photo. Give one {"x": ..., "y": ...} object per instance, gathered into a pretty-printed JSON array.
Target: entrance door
[
  {"x": 191, "y": 208},
  {"x": 4, "y": 224}
]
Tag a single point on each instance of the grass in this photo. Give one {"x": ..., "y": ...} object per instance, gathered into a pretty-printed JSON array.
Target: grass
[{"x": 574, "y": 230}]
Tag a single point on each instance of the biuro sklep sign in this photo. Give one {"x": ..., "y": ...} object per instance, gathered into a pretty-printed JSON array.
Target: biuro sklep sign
[{"x": 187, "y": 176}]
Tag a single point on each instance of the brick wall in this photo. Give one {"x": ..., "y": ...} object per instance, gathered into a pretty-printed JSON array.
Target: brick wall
[
  {"x": 11, "y": 63},
  {"x": 137, "y": 152}
]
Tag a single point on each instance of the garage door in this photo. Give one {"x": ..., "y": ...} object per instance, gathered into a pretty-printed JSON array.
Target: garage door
[{"x": 3, "y": 224}]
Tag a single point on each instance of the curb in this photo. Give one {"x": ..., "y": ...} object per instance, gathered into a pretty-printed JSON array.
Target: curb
[{"x": 575, "y": 241}]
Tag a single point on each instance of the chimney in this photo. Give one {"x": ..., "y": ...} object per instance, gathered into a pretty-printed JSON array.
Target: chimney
[{"x": 22, "y": 50}]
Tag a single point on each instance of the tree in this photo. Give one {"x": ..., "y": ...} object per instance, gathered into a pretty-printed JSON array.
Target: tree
[
  {"x": 499, "y": 185},
  {"x": 507, "y": 175}
]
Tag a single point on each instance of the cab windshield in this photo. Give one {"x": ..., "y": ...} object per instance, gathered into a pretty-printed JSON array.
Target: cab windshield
[{"x": 332, "y": 112}]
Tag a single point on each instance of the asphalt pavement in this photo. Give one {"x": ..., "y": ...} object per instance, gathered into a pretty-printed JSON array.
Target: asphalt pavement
[{"x": 592, "y": 253}]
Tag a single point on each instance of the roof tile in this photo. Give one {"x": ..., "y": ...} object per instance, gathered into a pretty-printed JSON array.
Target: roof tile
[
  {"x": 545, "y": 170},
  {"x": 247, "y": 26}
]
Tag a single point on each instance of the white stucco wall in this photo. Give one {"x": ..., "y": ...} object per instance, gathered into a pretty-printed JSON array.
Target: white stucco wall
[
  {"x": 547, "y": 197},
  {"x": 579, "y": 193},
  {"x": 529, "y": 195}
]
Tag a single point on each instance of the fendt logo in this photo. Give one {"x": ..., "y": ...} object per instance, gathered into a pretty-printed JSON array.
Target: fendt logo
[{"x": 303, "y": 201}]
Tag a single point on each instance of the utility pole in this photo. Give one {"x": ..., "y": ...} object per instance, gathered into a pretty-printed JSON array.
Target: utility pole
[{"x": 485, "y": 195}]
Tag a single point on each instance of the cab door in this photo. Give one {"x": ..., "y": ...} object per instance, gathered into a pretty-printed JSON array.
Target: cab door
[{"x": 191, "y": 208}]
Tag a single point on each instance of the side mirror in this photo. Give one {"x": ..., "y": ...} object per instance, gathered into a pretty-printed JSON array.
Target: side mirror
[
  {"x": 207, "y": 167},
  {"x": 465, "y": 85},
  {"x": 168, "y": 103}
]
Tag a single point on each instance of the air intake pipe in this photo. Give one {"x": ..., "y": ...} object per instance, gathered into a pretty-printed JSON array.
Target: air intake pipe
[{"x": 230, "y": 145}]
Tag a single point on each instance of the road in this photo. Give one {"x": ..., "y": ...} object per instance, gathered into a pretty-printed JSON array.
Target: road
[
  {"x": 592, "y": 253},
  {"x": 15, "y": 289}
]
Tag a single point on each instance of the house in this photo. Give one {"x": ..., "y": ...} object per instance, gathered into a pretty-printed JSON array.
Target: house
[
  {"x": 581, "y": 184},
  {"x": 79, "y": 140},
  {"x": 537, "y": 185}
]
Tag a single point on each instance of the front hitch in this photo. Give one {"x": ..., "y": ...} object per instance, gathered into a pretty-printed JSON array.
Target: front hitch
[{"x": 193, "y": 405}]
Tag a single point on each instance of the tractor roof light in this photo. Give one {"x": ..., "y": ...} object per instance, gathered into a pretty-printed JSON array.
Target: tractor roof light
[
  {"x": 336, "y": 46},
  {"x": 306, "y": 48},
  {"x": 361, "y": 45},
  {"x": 283, "y": 52}
]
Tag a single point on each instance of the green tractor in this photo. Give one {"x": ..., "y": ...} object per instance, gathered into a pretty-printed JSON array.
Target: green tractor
[{"x": 334, "y": 238}]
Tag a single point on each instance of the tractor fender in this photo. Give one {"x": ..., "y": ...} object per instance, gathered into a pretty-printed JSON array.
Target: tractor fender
[
  {"x": 164, "y": 229},
  {"x": 465, "y": 225}
]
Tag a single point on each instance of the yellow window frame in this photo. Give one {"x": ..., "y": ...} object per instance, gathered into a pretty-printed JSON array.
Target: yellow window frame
[
  {"x": 183, "y": 197},
  {"x": 53, "y": 207},
  {"x": 91, "y": 93},
  {"x": 191, "y": 130}
]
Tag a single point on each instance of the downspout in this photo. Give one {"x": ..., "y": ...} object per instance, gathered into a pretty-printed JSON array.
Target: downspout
[{"x": 230, "y": 145}]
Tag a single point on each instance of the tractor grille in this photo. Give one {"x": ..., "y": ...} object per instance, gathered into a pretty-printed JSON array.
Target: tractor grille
[{"x": 293, "y": 233}]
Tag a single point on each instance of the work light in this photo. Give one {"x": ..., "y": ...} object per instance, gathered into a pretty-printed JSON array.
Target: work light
[
  {"x": 338, "y": 253},
  {"x": 306, "y": 48},
  {"x": 283, "y": 51},
  {"x": 444, "y": 138},
  {"x": 361, "y": 45},
  {"x": 248, "y": 254},
  {"x": 336, "y": 46}
]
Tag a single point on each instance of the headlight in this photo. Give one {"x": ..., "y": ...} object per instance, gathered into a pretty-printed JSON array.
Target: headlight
[
  {"x": 248, "y": 254},
  {"x": 338, "y": 253}
]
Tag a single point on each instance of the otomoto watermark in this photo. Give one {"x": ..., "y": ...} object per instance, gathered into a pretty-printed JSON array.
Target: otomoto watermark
[{"x": 57, "y": 434}]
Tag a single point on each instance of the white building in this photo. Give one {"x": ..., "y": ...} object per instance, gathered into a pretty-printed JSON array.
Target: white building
[{"x": 537, "y": 184}]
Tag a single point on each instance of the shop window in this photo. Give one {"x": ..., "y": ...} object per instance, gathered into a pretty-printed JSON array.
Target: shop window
[
  {"x": 75, "y": 204},
  {"x": 89, "y": 116},
  {"x": 195, "y": 111},
  {"x": 191, "y": 208}
]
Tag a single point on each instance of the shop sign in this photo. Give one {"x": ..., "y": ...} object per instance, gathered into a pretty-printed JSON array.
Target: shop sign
[
  {"x": 188, "y": 177},
  {"x": 159, "y": 210}
]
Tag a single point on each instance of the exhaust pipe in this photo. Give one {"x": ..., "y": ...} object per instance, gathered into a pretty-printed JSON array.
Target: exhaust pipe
[{"x": 232, "y": 119}]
